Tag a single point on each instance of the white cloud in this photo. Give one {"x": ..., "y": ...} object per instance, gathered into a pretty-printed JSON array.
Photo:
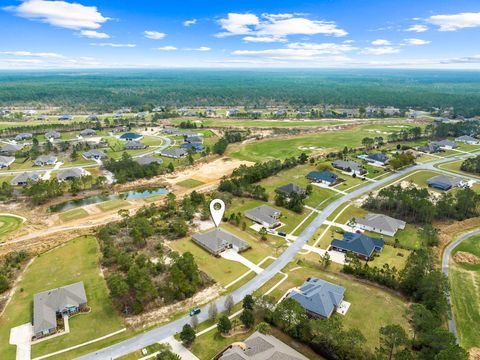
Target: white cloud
[
  {"x": 167, "y": 48},
  {"x": 381, "y": 42},
  {"x": 60, "y": 13},
  {"x": 201, "y": 48},
  {"x": 114, "y": 45},
  {"x": 154, "y": 35},
  {"x": 94, "y": 34},
  {"x": 456, "y": 22},
  {"x": 323, "y": 48},
  {"x": 275, "y": 27},
  {"x": 415, "y": 42},
  {"x": 188, "y": 23},
  {"x": 417, "y": 28},
  {"x": 32, "y": 54},
  {"x": 380, "y": 50}
]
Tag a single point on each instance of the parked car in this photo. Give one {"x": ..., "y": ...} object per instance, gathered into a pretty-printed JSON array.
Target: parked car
[
  {"x": 281, "y": 233},
  {"x": 195, "y": 311}
]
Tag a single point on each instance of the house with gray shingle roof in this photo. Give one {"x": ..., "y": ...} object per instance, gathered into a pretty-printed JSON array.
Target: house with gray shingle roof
[
  {"x": 87, "y": 132},
  {"x": 24, "y": 178},
  {"x": 443, "y": 182},
  {"x": 349, "y": 166},
  {"x": 53, "y": 135},
  {"x": 50, "y": 304},
  {"x": 134, "y": 145},
  {"x": 467, "y": 139},
  {"x": 264, "y": 215},
  {"x": 6, "y": 161},
  {"x": 323, "y": 177},
  {"x": 94, "y": 154},
  {"x": 43, "y": 160},
  {"x": 360, "y": 245},
  {"x": 219, "y": 240},
  {"x": 23, "y": 136},
  {"x": 148, "y": 159},
  {"x": 379, "y": 223},
  {"x": 318, "y": 297},
  {"x": 174, "y": 153},
  {"x": 260, "y": 347},
  {"x": 11, "y": 148},
  {"x": 291, "y": 189},
  {"x": 70, "y": 174},
  {"x": 429, "y": 148},
  {"x": 446, "y": 144}
]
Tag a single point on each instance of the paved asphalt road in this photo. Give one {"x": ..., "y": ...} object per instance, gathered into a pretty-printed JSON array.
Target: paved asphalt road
[
  {"x": 142, "y": 340},
  {"x": 446, "y": 256}
]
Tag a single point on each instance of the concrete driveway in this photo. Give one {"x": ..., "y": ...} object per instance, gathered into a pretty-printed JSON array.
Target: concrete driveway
[
  {"x": 21, "y": 336},
  {"x": 234, "y": 256},
  {"x": 336, "y": 256}
]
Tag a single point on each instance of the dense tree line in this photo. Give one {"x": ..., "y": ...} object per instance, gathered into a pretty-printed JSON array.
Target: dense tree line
[
  {"x": 230, "y": 137},
  {"x": 471, "y": 165},
  {"x": 126, "y": 169},
  {"x": 415, "y": 205},
  {"x": 399, "y": 161},
  {"x": 8, "y": 265}
]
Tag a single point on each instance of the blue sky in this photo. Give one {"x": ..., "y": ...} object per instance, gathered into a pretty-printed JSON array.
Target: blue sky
[{"x": 224, "y": 34}]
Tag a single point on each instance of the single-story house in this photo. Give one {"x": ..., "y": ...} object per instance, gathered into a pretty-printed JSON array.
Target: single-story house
[
  {"x": 87, "y": 132},
  {"x": 443, "y": 182},
  {"x": 194, "y": 139},
  {"x": 70, "y": 174},
  {"x": 6, "y": 161},
  {"x": 379, "y": 223},
  {"x": 42, "y": 117},
  {"x": 134, "y": 145},
  {"x": 25, "y": 177},
  {"x": 174, "y": 153},
  {"x": 361, "y": 245},
  {"x": 260, "y": 347},
  {"x": 218, "y": 240},
  {"x": 129, "y": 136},
  {"x": 264, "y": 215},
  {"x": 65, "y": 117},
  {"x": 349, "y": 166},
  {"x": 43, "y": 160},
  {"x": 53, "y": 135},
  {"x": 119, "y": 129},
  {"x": 378, "y": 159},
  {"x": 169, "y": 130},
  {"x": 467, "y": 139},
  {"x": 93, "y": 117},
  {"x": 318, "y": 297},
  {"x": 324, "y": 177},
  {"x": 50, "y": 304},
  {"x": 291, "y": 189},
  {"x": 148, "y": 159},
  {"x": 198, "y": 147},
  {"x": 11, "y": 148},
  {"x": 23, "y": 136},
  {"x": 446, "y": 144},
  {"x": 94, "y": 154},
  {"x": 429, "y": 148},
  {"x": 232, "y": 112}
]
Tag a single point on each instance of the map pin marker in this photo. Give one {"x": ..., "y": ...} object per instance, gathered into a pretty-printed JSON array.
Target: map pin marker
[{"x": 217, "y": 214}]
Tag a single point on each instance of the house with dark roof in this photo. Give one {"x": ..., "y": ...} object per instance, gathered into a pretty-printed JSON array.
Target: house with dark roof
[
  {"x": 446, "y": 144},
  {"x": 51, "y": 304},
  {"x": 361, "y": 245},
  {"x": 24, "y": 178},
  {"x": 318, "y": 297},
  {"x": 218, "y": 240},
  {"x": 324, "y": 177},
  {"x": 194, "y": 139},
  {"x": 65, "y": 117},
  {"x": 379, "y": 223},
  {"x": 70, "y": 174},
  {"x": 130, "y": 136},
  {"x": 87, "y": 132},
  {"x": 467, "y": 139},
  {"x": 378, "y": 159},
  {"x": 6, "y": 161},
  {"x": 291, "y": 189},
  {"x": 430, "y": 148},
  {"x": 53, "y": 135},
  {"x": 11, "y": 148},
  {"x": 260, "y": 347},
  {"x": 198, "y": 147},
  {"x": 134, "y": 145},
  {"x": 94, "y": 154},
  {"x": 445, "y": 183},
  {"x": 23, "y": 136},
  {"x": 264, "y": 215},
  {"x": 148, "y": 159},
  {"x": 174, "y": 153},
  {"x": 349, "y": 166},
  {"x": 44, "y": 160}
]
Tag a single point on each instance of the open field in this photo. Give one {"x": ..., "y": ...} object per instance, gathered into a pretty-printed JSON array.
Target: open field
[
  {"x": 75, "y": 261},
  {"x": 260, "y": 123},
  {"x": 73, "y": 215},
  {"x": 454, "y": 166},
  {"x": 112, "y": 204},
  {"x": 464, "y": 280},
  {"x": 190, "y": 183},
  {"x": 9, "y": 224}
]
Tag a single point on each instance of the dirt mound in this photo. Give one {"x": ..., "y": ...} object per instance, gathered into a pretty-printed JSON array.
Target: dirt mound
[
  {"x": 474, "y": 354},
  {"x": 465, "y": 257}
]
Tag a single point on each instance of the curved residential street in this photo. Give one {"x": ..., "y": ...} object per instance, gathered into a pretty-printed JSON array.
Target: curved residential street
[{"x": 162, "y": 332}]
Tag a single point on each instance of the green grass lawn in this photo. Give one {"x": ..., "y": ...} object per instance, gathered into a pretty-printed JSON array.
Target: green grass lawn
[
  {"x": 112, "y": 204},
  {"x": 9, "y": 224},
  {"x": 464, "y": 280},
  {"x": 78, "y": 260},
  {"x": 190, "y": 183},
  {"x": 73, "y": 214},
  {"x": 454, "y": 166}
]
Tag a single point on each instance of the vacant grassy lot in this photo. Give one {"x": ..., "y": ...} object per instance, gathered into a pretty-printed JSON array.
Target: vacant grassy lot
[
  {"x": 464, "y": 282},
  {"x": 190, "y": 183},
  {"x": 73, "y": 214},
  {"x": 260, "y": 123},
  {"x": 76, "y": 261},
  {"x": 112, "y": 204},
  {"x": 454, "y": 166},
  {"x": 9, "y": 224}
]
